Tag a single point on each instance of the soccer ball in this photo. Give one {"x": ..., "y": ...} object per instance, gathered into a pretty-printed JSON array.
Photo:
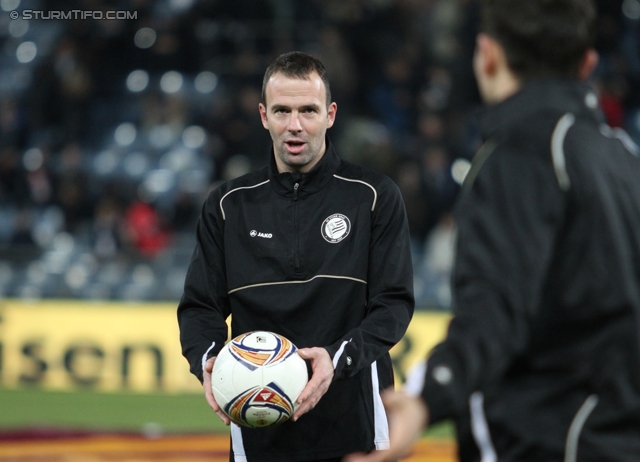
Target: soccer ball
[{"x": 257, "y": 378}]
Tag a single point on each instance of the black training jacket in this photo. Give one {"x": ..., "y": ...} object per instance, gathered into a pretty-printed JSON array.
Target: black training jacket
[
  {"x": 324, "y": 259},
  {"x": 542, "y": 358}
]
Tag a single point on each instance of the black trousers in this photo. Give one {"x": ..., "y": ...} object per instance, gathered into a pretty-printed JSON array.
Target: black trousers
[{"x": 336, "y": 459}]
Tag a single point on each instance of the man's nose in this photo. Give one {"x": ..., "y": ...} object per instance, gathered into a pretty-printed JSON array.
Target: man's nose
[{"x": 294, "y": 123}]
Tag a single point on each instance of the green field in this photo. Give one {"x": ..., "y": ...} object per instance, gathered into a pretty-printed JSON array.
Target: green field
[
  {"x": 106, "y": 411},
  {"x": 118, "y": 412}
]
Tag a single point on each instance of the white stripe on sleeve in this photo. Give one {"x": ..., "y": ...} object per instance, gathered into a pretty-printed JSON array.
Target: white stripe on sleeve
[
  {"x": 336, "y": 358},
  {"x": 480, "y": 428},
  {"x": 204, "y": 356}
]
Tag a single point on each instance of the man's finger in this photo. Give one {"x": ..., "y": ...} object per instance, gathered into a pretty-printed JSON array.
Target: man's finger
[
  {"x": 309, "y": 389},
  {"x": 322, "y": 375},
  {"x": 308, "y": 403},
  {"x": 216, "y": 408},
  {"x": 208, "y": 392}
]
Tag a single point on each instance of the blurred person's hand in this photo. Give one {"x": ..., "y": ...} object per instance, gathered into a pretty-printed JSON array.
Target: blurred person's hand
[{"x": 408, "y": 416}]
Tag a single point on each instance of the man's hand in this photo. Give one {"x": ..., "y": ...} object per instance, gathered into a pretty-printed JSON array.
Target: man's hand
[
  {"x": 321, "y": 377},
  {"x": 408, "y": 416},
  {"x": 208, "y": 393}
]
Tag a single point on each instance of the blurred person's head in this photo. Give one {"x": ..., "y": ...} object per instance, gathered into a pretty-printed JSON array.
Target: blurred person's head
[
  {"x": 71, "y": 157},
  {"x": 431, "y": 127},
  {"x": 534, "y": 39},
  {"x": 435, "y": 161},
  {"x": 397, "y": 69},
  {"x": 297, "y": 110}
]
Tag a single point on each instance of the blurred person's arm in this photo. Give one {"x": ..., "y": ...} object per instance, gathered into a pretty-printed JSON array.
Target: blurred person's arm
[{"x": 509, "y": 213}]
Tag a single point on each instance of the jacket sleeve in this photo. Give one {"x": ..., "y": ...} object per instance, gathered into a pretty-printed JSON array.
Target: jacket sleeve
[
  {"x": 204, "y": 306},
  {"x": 390, "y": 300},
  {"x": 508, "y": 217}
]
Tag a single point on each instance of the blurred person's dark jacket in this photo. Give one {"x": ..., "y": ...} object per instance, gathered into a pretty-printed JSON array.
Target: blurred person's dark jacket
[{"x": 546, "y": 337}]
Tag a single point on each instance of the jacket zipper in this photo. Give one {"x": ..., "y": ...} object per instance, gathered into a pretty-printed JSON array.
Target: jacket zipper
[{"x": 296, "y": 251}]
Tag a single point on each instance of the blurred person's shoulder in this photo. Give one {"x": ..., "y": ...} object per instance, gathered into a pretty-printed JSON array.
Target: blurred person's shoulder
[{"x": 547, "y": 109}]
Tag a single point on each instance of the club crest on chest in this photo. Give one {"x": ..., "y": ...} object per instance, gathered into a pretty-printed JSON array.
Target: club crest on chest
[{"x": 335, "y": 228}]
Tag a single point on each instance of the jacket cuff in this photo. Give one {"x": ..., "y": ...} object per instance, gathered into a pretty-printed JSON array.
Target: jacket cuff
[
  {"x": 443, "y": 391},
  {"x": 208, "y": 354},
  {"x": 339, "y": 357}
]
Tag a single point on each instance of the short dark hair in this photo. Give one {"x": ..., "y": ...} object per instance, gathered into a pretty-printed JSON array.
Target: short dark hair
[
  {"x": 297, "y": 65},
  {"x": 541, "y": 38}
]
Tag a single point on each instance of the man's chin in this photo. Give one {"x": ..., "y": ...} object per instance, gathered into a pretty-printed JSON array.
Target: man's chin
[{"x": 296, "y": 160}]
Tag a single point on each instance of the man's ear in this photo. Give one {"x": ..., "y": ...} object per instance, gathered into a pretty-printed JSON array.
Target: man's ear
[
  {"x": 487, "y": 55},
  {"x": 263, "y": 115},
  {"x": 489, "y": 65},
  {"x": 331, "y": 114},
  {"x": 589, "y": 63}
]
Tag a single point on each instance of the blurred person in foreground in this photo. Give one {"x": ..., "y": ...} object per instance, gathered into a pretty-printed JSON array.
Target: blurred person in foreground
[
  {"x": 542, "y": 358},
  {"x": 313, "y": 248}
]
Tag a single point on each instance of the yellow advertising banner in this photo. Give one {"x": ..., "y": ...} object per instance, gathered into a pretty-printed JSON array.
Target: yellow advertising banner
[
  {"x": 424, "y": 332},
  {"x": 101, "y": 346},
  {"x": 108, "y": 346}
]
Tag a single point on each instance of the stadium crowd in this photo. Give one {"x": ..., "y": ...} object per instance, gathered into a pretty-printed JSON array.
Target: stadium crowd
[{"x": 114, "y": 131}]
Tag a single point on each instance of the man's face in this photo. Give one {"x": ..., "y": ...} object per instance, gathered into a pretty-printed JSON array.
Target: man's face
[{"x": 297, "y": 118}]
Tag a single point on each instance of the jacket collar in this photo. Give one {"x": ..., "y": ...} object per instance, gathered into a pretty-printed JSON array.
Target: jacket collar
[
  {"x": 536, "y": 95},
  {"x": 310, "y": 182}
]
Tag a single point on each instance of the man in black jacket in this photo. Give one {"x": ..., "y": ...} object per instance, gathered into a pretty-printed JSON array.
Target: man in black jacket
[
  {"x": 542, "y": 358},
  {"x": 313, "y": 248}
]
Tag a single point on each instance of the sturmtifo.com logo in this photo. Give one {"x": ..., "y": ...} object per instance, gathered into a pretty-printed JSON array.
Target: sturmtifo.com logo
[
  {"x": 335, "y": 228},
  {"x": 73, "y": 14}
]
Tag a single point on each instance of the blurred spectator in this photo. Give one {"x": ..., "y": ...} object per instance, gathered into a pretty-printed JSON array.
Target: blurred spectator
[
  {"x": 185, "y": 212},
  {"x": 440, "y": 184},
  {"x": 392, "y": 97},
  {"x": 612, "y": 94},
  {"x": 332, "y": 50},
  {"x": 436, "y": 90},
  {"x": 74, "y": 88},
  {"x": 73, "y": 195},
  {"x": 417, "y": 202},
  {"x": 430, "y": 130},
  {"x": 13, "y": 186},
  {"x": 39, "y": 178},
  {"x": 108, "y": 228},
  {"x": 22, "y": 227},
  {"x": 146, "y": 229},
  {"x": 243, "y": 130},
  {"x": 12, "y": 123}
]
